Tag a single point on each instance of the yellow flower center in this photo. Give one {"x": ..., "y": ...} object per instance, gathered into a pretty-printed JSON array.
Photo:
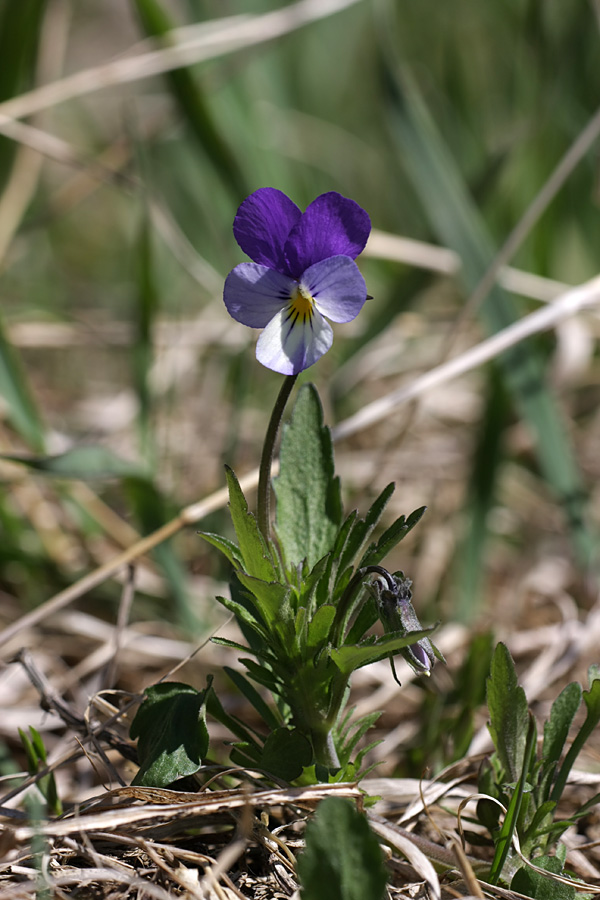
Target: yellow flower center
[{"x": 301, "y": 304}]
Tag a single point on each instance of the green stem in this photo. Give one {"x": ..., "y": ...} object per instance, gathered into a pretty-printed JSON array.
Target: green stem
[
  {"x": 263, "y": 505},
  {"x": 324, "y": 750}
]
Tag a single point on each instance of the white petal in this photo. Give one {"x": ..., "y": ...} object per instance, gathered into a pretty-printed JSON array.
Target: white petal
[{"x": 289, "y": 346}]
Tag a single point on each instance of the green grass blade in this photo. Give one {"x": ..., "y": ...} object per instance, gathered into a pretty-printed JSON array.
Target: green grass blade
[
  {"x": 458, "y": 225},
  {"x": 147, "y": 307},
  {"x": 20, "y": 25},
  {"x": 14, "y": 389},
  {"x": 510, "y": 820},
  {"x": 488, "y": 456},
  {"x": 190, "y": 100}
]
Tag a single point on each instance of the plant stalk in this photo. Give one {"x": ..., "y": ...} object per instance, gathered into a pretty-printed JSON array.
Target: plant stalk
[{"x": 263, "y": 506}]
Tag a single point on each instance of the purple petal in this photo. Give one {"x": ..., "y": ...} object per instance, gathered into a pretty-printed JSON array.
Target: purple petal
[
  {"x": 262, "y": 225},
  {"x": 290, "y": 348},
  {"x": 254, "y": 294},
  {"x": 331, "y": 226},
  {"x": 337, "y": 287}
]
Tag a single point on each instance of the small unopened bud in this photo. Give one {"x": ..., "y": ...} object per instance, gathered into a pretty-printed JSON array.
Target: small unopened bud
[{"x": 398, "y": 614}]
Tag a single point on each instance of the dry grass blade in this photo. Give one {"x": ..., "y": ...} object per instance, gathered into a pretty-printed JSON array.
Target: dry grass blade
[
  {"x": 405, "y": 844},
  {"x": 216, "y": 39},
  {"x": 574, "y": 301},
  {"x": 155, "y": 813},
  {"x": 382, "y": 245}
]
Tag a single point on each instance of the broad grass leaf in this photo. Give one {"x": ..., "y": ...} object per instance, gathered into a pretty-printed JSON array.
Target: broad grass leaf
[
  {"x": 309, "y": 506},
  {"x": 172, "y": 736},
  {"x": 86, "y": 463},
  {"x": 286, "y": 753},
  {"x": 342, "y": 859}
]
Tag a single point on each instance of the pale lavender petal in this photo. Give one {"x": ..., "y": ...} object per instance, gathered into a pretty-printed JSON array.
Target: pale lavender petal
[
  {"x": 290, "y": 348},
  {"x": 331, "y": 226},
  {"x": 262, "y": 225},
  {"x": 337, "y": 287},
  {"x": 253, "y": 294}
]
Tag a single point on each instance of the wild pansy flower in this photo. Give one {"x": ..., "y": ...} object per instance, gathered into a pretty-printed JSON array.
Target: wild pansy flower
[{"x": 303, "y": 273}]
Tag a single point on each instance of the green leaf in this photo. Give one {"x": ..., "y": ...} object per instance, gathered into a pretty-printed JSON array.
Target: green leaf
[
  {"x": 309, "y": 506},
  {"x": 534, "y": 884},
  {"x": 509, "y": 825},
  {"x": 253, "y": 549},
  {"x": 591, "y": 699},
  {"x": 363, "y": 528},
  {"x": 348, "y": 658},
  {"x": 262, "y": 675},
  {"x": 509, "y": 716},
  {"x": 227, "y": 547},
  {"x": 285, "y": 753},
  {"x": 367, "y": 616},
  {"x": 556, "y": 731},
  {"x": 172, "y": 736},
  {"x": 215, "y": 709},
  {"x": 22, "y": 411},
  {"x": 342, "y": 859},
  {"x": 251, "y": 694},
  {"x": 243, "y": 615},
  {"x": 271, "y": 600},
  {"x": 319, "y": 627},
  {"x": 35, "y": 752},
  {"x": 83, "y": 463},
  {"x": 233, "y": 645},
  {"x": 390, "y": 538},
  {"x": 540, "y": 824}
]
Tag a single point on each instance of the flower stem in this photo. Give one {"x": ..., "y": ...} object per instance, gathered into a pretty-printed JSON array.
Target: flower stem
[{"x": 264, "y": 479}]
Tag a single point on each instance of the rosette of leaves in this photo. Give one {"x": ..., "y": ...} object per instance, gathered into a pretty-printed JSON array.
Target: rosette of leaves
[{"x": 302, "y": 608}]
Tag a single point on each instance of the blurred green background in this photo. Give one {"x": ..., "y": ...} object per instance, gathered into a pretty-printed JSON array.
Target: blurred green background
[{"x": 444, "y": 121}]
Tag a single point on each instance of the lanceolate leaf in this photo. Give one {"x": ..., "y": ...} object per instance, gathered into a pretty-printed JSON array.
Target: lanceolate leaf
[
  {"x": 390, "y": 538},
  {"x": 556, "y": 731},
  {"x": 342, "y": 859},
  {"x": 253, "y": 549},
  {"x": 592, "y": 701},
  {"x": 227, "y": 547},
  {"x": 509, "y": 715},
  {"x": 348, "y": 658},
  {"x": 309, "y": 507}
]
